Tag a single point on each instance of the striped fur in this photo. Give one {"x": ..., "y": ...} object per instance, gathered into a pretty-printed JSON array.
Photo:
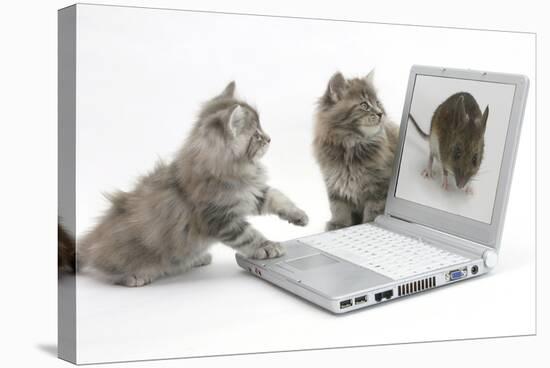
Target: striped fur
[
  {"x": 166, "y": 224},
  {"x": 354, "y": 145}
]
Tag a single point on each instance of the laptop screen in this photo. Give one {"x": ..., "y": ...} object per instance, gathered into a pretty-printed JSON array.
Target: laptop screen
[{"x": 454, "y": 143}]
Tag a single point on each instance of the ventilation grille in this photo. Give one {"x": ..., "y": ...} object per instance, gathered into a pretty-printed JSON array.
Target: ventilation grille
[{"x": 416, "y": 286}]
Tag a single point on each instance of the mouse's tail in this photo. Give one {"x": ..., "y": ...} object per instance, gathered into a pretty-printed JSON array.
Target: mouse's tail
[{"x": 420, "y": 131}]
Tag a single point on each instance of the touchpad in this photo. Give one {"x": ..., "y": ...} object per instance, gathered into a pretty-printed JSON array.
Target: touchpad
[{"x": 309, "y": 262}]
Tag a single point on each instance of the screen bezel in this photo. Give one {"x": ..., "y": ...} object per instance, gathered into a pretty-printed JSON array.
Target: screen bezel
[{"x": 457, "y": 225}]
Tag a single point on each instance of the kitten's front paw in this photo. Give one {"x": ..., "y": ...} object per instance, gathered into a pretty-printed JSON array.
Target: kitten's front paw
[
  {"x": 334, "y": 226},
  {"x": 135, "y": 281},
  {"x": 203, "y": 260},
  {"x": 270, "y": 249},
  {"x": 297, "y": 217}
]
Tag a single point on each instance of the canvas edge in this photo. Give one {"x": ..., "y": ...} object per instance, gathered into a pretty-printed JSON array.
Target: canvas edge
[{"x": 66, "y": 186}]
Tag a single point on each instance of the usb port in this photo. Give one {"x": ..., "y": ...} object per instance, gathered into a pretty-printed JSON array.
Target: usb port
[
  {"x": 345, "y": 304},
  {"x": 361, "y": 299}
]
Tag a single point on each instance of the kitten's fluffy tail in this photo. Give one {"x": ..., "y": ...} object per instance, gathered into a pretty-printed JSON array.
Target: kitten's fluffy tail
[
  {"x": 65, "y": 251},
  {"x": 420, "y": 131}
]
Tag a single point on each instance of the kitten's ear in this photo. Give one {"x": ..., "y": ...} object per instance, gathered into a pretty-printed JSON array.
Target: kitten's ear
[
  {"x": 484, "y": 118},
  {"x": 229, "y": 90},
  {"x": 236, "y": 120},
  {"x": 370, "y": 77},
  {"x": 336, "y": 86}
]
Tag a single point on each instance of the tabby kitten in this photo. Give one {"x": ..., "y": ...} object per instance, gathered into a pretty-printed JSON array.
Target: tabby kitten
[
  {"x": 354, "y": 145},
  {"x": 166, "y": 224}
]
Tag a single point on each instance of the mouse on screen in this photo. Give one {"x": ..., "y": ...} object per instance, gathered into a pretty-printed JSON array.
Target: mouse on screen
[{"x": 457, "y": 139}]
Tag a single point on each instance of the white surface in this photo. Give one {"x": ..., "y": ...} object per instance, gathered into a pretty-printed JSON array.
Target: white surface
[
  {"x": 429, "y": 93},
  {"x": 221, "y": 309},
  {"x": 142, "y": 75},
  {"x": 28, "y": 334}
]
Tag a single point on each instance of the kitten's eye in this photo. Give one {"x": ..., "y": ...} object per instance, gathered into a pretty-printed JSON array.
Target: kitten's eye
[
  {"x": 457, "y": 153},
  {"x": 474, "y": 159},
  {"x": 364, "y": 105}
]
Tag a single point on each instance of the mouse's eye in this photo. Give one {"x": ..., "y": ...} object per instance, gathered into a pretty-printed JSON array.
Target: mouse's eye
[
  {"x": 457, "y": 153},
  {"x": 364, "y": 105},
  {"x": 474, "y": 159}
]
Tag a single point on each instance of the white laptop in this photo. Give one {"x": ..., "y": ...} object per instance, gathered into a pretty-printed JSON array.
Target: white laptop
[{"x": 437, "y": 229}]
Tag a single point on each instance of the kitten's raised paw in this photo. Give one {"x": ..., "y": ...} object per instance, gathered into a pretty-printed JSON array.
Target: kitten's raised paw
[
  {"x": 269, "y": 250},
  {"x": 135, "y": 281},
  {"x": 204, "y": 260},
  {"x": 298, "y": 217}
]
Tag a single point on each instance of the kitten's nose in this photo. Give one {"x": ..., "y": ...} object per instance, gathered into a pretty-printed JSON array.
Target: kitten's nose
[
  {"x": 267, "y": 138},
  {"x": 379, "y": 114}
]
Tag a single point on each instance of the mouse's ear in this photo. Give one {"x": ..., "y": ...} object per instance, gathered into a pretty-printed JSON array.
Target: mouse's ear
[
  {"x": 460, "y": 118},
  {"x": 484, "y": 118}
]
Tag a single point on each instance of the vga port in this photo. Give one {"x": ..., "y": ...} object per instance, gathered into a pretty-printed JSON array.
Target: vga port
[{"x": 456, "y": 274}]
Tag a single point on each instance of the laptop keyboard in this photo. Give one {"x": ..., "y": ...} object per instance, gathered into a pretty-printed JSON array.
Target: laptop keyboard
[{"x": 390, "y": 254}]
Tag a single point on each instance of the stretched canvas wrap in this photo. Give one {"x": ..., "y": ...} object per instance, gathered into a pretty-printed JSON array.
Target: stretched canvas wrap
[{"x": 172, "y": 121}]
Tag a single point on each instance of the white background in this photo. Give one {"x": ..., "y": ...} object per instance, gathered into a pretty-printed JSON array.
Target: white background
[
  {"x": 29, "y": 205},
  {"x": 429, "y": 93},
  {"x": 142, "y": 74}
]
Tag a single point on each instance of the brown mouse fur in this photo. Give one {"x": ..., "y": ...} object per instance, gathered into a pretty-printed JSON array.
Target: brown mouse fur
[{"x": 457, "y": 139}]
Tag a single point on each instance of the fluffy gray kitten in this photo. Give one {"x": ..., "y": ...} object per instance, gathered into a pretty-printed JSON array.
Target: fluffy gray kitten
[
  {"x": 354, "y": 145},
  {"x": 166, "y": 224}
]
